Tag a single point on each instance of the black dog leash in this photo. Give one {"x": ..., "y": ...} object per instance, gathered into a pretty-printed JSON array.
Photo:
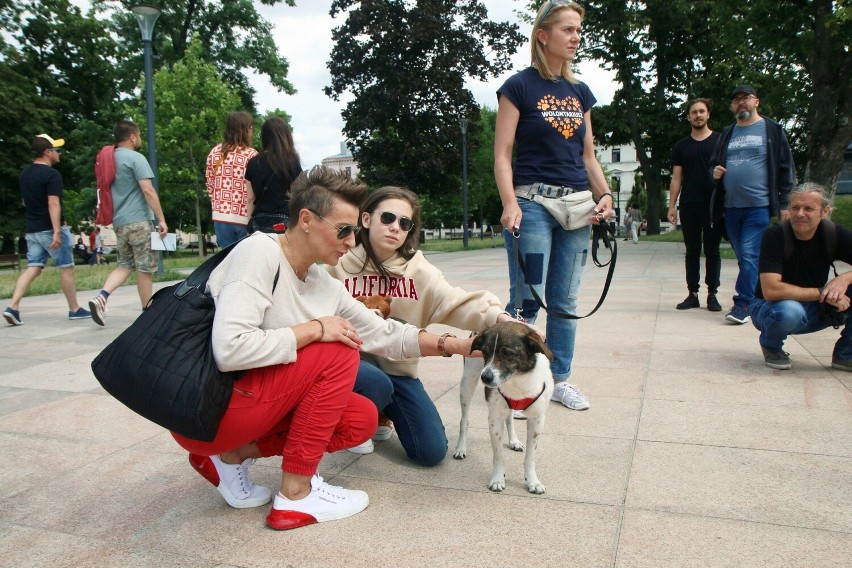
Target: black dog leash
[{"x": 601, "y": 232}]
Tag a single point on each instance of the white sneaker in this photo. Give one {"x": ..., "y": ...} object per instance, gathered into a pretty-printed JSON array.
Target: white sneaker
[
  {"x": 324, "y": 503},
  {"x": 570, "y": 396},
  {"x": 518, "y": 415},
  {"x": 363, "y": 449},
  {"x": 383, "y": 433},
  {"x": 232, "y": 481}
]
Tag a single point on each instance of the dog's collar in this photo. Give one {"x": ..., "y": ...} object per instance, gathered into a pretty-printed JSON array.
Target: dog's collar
[{"x": 523, "y": 403}]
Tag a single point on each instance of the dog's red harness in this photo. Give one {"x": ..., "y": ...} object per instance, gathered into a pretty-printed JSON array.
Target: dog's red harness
[{"x": 523, "y": 403}]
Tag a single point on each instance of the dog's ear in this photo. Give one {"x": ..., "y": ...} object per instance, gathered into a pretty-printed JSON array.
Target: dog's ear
[
  {"x": 477, "y": 342},
  {"x": 538, "y": 345}
]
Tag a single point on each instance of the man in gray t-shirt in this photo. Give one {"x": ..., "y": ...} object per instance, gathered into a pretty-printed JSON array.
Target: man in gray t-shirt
[
  {"x": 753, "y": 168},
  {"x": 135, "y": 205}
]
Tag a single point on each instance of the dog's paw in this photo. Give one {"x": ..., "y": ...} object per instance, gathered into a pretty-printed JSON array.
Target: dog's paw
[
  {"x": 460, "y": 454},
  {"x": 516, "y": 445},
  {"x": 497, "y": 484},
  {"x": 535, "y": 487}
]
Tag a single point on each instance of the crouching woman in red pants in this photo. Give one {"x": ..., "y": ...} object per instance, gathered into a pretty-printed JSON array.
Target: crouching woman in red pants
[{"x": 298, "y": 333}]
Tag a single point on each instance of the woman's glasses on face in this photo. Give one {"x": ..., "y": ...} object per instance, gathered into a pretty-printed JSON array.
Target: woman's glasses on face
[
  {"x": 343, "y": 231},
  {"x": 387, "y": 218}
]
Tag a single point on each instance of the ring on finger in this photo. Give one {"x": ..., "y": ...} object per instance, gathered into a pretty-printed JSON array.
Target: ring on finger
[{"x": 347, "y": 333}]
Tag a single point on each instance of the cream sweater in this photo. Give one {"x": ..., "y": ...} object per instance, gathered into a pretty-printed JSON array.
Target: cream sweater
[
  {"x": 420, "y": 295},
  {"x": 251, "y": 327}
]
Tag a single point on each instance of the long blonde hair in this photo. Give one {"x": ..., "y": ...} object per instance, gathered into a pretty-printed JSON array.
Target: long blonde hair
[{"x": 537, "y": 57}]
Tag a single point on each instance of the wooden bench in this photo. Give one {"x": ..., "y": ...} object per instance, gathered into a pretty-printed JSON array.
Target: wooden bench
[{"x": 10, "y": 261}]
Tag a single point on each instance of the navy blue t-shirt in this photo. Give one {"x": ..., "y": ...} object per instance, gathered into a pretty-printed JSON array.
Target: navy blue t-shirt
[
  {"x": 38, "y": 181},
  {"x": 549, "y": 136}
]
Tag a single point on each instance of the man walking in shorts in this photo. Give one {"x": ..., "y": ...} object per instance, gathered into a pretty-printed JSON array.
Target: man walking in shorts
[
  {"x": 46, "y": 232},
  {"x": 135, "y": 204}
]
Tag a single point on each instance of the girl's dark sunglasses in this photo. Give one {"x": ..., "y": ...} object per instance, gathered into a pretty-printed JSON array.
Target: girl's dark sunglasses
[
  {"x": 343, "y": 231},
  {"x": 387, "y": 218}
]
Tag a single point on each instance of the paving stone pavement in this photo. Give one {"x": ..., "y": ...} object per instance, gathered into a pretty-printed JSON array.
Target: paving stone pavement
[{"x": 693, "y": 453}]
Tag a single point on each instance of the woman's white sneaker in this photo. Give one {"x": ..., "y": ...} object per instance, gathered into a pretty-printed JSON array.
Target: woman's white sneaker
[
  {"x": 570, "y": 396},
  {"x": 363, "y": 449},
  {"x": 324, "y": 503},
  {"x": 232, "y": 481}
]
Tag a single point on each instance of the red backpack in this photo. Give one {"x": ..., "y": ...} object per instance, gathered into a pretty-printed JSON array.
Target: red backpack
[{"x": 104, "y": 176}]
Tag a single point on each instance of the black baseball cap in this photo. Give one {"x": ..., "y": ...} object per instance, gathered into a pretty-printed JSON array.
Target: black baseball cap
[{"x": 744, "y": 90}]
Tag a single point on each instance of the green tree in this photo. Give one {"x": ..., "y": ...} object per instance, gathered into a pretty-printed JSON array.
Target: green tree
[
  {"x": 192, "y": 100},
  {"x": 55, "y": 77},
  {"x": 809, "y": 44},
  {"x": 483, "y": 197},
  {"x": 405, "y": 64},
  {"x": 233, "y": 36}
]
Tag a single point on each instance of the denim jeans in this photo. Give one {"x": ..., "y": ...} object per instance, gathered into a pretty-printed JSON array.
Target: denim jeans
[
  {"x": 554, "y": 259},
  {"x": 695, "y": 222},
  {"x": 777, "y": 320},
  {"x": 38, "y": 248},
  {"x": 228, "y": 233},
  {"x": 406, "y": 402},
  {"x": 745, "y": 228}
]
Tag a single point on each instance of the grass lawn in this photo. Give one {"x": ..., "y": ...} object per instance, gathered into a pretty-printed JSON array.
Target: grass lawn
[{"x": 88, "y": 277}]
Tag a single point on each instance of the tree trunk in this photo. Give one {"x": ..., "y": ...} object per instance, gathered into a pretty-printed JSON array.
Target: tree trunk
[{"x": 830, "y": 114}]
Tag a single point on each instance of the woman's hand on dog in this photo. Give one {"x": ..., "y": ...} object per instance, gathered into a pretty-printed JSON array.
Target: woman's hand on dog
[{"x": 506, "y": 317}]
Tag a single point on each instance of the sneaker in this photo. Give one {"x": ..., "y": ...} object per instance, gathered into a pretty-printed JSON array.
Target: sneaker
[
  {"x": 776, "y": 359},
  {"x": 80, "y": 314},
  {"x": 713, "y": 304},
  {"x": 569, "y": 396},
  {"x": 842, "y": 364},
  {"x": 518, "y": 415},
  {"x": 13, "y": 317},
  {"x": 98, "y": 308},
  {"x": 324, "y": 503},
  {"x": 385, "y": 429},
  {"x": 363, "y": 449},
  {"x": 232, "y": 481},
  {"x": 691, "y": 301},
  {"x": 738, "y": 315}
]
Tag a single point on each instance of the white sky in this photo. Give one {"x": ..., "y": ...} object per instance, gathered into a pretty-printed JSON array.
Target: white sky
[{"x": 303, "y": 36}]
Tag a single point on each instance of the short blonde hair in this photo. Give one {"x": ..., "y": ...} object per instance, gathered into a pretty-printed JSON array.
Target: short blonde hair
[{"x": 537, "y": 58}]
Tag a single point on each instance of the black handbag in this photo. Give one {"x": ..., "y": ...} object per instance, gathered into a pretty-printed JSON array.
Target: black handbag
[{"x": 162, "y": 366}]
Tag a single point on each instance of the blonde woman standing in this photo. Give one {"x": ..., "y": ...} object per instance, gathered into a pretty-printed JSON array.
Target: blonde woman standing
[{"x": 544, "y": 115}]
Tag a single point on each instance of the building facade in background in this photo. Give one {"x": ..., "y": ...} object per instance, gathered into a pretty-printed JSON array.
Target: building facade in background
[
  {"x": 620, "y": 164},
  {"x": 344, "y": 161}
]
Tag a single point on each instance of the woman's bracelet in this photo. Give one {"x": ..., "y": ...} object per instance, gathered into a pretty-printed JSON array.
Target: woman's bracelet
[
  {"x": 322, "y": 328},
  {"x": 441, "y": 347},
  {"x": 604, "y": 195}
]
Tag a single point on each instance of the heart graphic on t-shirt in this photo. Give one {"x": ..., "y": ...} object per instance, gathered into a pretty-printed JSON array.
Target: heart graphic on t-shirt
[{"x": 565, "y": 115}]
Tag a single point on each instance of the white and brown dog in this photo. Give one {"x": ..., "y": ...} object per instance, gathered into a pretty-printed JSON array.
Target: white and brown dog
[{"x": 516, "y": 371}]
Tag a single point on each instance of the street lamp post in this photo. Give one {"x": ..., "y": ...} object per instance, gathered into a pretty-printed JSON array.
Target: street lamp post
[
  {"x": 147, "y": 16},
  {"x": 463, "y": 126}
]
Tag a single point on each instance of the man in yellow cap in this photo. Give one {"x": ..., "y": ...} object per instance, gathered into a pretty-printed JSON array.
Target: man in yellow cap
[{"x": 46, "y": 232}]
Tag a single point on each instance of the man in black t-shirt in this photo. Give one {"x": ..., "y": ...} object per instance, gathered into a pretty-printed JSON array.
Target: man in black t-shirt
[
  {"x": 47, "y": 234},
  {"x": 792, "y": 291},
  {"x": 691, "y": 181}
]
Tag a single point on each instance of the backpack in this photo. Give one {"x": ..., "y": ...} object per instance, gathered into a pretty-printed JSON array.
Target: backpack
[{"x": 104, "y": 176}]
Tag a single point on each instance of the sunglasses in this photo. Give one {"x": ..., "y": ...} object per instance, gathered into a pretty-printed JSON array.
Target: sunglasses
[
  {"x": 742, "y": 99},
  {"x": 343, "y": 231},
  {"x": 550, "y": 7},
  {"x": 387, "y": 218}
]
